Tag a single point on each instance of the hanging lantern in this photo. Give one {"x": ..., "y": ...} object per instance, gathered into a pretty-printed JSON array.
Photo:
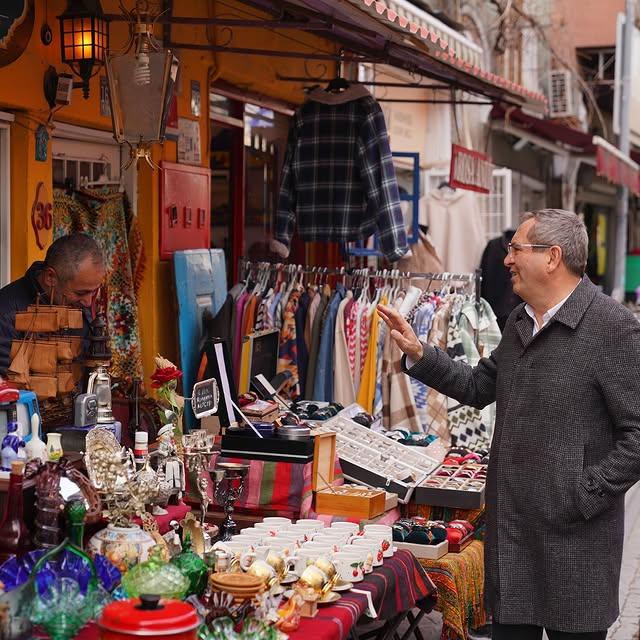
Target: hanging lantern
[
  {"x": 141, "y": 82},
  {"x": 84, "y": 39}
]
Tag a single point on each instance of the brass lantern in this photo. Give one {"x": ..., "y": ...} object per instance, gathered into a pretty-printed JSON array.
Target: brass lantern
[
  {"x": 84, "y": 39},
  {"x": 141, "y": 82}
]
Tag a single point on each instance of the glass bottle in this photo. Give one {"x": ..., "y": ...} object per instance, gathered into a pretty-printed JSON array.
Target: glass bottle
[
  {"x": 14, "y": 535},
  {"x": 192, "y": 566},
  {"x": 75, "y": 512}
]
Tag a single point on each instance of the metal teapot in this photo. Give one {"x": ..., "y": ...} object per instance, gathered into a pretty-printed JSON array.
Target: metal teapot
[{"x": 100, "y": 385}]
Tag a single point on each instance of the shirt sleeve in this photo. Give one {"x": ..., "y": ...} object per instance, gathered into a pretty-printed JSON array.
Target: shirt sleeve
[
  {"x": 284, "y": 221},
  {"x": 381, "y": 186},
  {"x": 472, "y": 386}
]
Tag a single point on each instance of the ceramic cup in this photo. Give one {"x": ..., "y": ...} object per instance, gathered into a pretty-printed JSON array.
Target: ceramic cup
[
  {"x": 311, "y": 522},
  {"x": 383, "y": 532},
  {"x": 250, "y": 542},
  {"x": 297, "y": 537},
  {"x": 254, "y": 537},
  {"x": 349, "y": 566},
  {"x": 351, "y": 527},
  {"x": 305, "y": 532},
  {"x": 371, "y": 548},
  {"x": 304, "y": 557},
  {"x": 320, "y": 549},
  {"x": 277, "y": 521},
  {"x": 378, "y": 543},
  {"x": 269, "y": 529},
  {"x": 285, "y": 545}
]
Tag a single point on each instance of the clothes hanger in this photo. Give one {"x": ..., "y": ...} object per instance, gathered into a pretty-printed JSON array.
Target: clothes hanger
[{"x": 336, "y": 85}]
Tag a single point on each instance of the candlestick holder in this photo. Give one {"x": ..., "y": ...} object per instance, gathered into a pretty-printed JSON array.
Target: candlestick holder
[{"x": 229, "y": 479}]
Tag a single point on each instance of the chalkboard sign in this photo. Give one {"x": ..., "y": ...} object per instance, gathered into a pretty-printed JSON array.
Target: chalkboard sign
[{"x": 204, "y": 399}]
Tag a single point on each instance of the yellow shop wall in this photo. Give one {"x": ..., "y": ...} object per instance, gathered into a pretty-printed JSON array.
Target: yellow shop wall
[{"x": 23, "y": 95}]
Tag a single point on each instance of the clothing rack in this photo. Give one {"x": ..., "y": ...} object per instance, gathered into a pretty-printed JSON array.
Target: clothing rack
[{"x": 475, "y": 278}]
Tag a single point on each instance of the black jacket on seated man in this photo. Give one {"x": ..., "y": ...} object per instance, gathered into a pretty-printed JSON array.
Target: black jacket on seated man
[{"x": 17, "y": 296}]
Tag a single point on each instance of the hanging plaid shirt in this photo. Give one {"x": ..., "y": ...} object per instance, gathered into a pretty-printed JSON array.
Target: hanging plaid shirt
[{"x": 338, "y": 178}]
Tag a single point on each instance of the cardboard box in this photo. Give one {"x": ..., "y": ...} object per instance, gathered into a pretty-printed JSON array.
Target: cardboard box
[
  {"x": 356, "y": 502},
  {"x": 428, "y": 551}
]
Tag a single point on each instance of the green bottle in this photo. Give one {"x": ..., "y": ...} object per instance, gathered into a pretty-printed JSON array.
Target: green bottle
[
  {"x": 75, "y": 511},
  {"x": 192, "y": 566}
]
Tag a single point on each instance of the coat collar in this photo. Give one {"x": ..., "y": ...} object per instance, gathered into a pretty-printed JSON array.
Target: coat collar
[{"x": 569, "y": 314}]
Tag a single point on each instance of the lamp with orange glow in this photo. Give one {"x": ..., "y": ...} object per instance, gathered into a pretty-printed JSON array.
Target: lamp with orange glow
[{"x": 84, "y": 39}]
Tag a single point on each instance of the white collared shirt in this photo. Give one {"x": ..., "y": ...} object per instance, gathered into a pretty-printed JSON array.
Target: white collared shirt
[{"x": 546, "y": 318}]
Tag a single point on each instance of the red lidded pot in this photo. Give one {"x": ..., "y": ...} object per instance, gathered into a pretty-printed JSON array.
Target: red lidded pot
[{"x": 149, "y": 617}]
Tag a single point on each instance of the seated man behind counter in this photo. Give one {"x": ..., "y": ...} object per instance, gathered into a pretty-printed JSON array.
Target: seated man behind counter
[{"x": 71, "y": 274}]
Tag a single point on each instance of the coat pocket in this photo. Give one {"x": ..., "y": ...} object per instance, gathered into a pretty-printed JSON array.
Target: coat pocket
[{"x": 544, "y": 471}]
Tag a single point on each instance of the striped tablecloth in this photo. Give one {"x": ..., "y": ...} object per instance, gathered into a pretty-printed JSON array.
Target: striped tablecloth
[{"x": 398, "y": 585}]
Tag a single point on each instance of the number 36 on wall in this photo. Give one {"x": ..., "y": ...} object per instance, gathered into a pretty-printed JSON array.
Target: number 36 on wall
[{"x": 41, "y": 215}]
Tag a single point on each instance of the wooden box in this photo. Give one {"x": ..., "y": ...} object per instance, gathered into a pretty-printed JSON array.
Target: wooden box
[{"x": 352, "y": 501}]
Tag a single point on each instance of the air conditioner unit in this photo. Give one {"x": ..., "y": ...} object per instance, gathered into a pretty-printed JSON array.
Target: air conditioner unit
[{"x": 560, "y": 93}]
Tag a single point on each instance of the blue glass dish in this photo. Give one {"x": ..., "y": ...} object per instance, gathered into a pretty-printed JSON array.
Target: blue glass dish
[{"x": 16, "y": 571}]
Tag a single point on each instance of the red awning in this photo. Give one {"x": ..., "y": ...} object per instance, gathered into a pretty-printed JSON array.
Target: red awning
[
  {"x": 445, "y": 53},
  {"x": 610, "y": 162}
]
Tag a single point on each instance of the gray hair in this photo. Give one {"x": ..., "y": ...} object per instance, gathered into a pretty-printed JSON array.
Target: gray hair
[
  {"x": 67, "y": 253},
  {"x": 564, "y": 229}
]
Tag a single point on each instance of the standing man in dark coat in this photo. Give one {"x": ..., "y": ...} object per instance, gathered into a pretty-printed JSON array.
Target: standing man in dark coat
[
  {"x": 566, "y": 446},
  {"x": 71, "y": 274}
]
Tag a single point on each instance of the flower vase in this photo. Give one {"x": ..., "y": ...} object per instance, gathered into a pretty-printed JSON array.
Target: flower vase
[{"x": 54, "y": 446}]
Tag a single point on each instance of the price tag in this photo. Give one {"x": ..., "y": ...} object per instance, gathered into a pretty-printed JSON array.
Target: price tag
[{"x": 204, "y": 398}]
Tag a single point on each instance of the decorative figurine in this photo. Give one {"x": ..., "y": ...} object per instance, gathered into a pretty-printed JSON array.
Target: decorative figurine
[
  {"x": 12, "y": 447},
  {"x": 169, "y": 462},
  {"x": 35, "y": 448}
]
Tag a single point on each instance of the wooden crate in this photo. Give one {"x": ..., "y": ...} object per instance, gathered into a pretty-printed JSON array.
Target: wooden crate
[{"x": 355, "y": 502}]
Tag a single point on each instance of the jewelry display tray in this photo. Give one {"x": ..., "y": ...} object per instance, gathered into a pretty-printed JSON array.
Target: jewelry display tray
[
  {"x": 462, "y": 488},
  {"x": 373, "y": 459}
]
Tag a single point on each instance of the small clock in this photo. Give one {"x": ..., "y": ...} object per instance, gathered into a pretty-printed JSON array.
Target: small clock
[{"x": 16, "y": 25}]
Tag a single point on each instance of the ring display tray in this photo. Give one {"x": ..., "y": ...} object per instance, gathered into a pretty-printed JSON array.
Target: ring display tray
[
  {"x": 372, "y": 459},
  {"x": 461, "y": 487}
]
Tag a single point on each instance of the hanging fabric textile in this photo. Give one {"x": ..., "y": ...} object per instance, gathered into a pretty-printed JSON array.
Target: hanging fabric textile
[
  {"x": 338, "y": 179},
  {"x": 465, "y": 423},
  {"x": 100, "y": 213}
]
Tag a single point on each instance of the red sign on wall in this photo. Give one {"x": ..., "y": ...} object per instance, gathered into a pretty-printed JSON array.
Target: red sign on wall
[{"x": 470, "y": 170}]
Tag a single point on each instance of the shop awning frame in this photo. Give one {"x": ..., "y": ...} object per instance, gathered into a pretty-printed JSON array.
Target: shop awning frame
[{"x": 369, "y": 31}]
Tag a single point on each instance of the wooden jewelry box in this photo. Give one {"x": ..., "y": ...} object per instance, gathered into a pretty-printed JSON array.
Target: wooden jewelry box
[{"x": 345, "y": 500}]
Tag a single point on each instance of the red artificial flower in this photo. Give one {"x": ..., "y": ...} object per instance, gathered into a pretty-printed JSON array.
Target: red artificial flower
[{"x": 163, "y": 375}]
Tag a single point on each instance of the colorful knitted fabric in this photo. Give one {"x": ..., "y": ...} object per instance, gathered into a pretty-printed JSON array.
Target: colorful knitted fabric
[
  {"x": 459, "y": 578},
  {"x": 101, "y": 214},
  {"x": 288, "y": 353}
]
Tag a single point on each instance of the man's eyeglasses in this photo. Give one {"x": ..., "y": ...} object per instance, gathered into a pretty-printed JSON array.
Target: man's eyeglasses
[{"x": 514, "y": 247}]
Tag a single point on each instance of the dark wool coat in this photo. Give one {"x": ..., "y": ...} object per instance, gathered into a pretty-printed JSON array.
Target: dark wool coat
[{"x": 566, "y": 447}]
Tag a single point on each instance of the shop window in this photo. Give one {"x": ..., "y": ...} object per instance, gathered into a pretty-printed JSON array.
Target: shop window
[{"x": 5, "y": 200}]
